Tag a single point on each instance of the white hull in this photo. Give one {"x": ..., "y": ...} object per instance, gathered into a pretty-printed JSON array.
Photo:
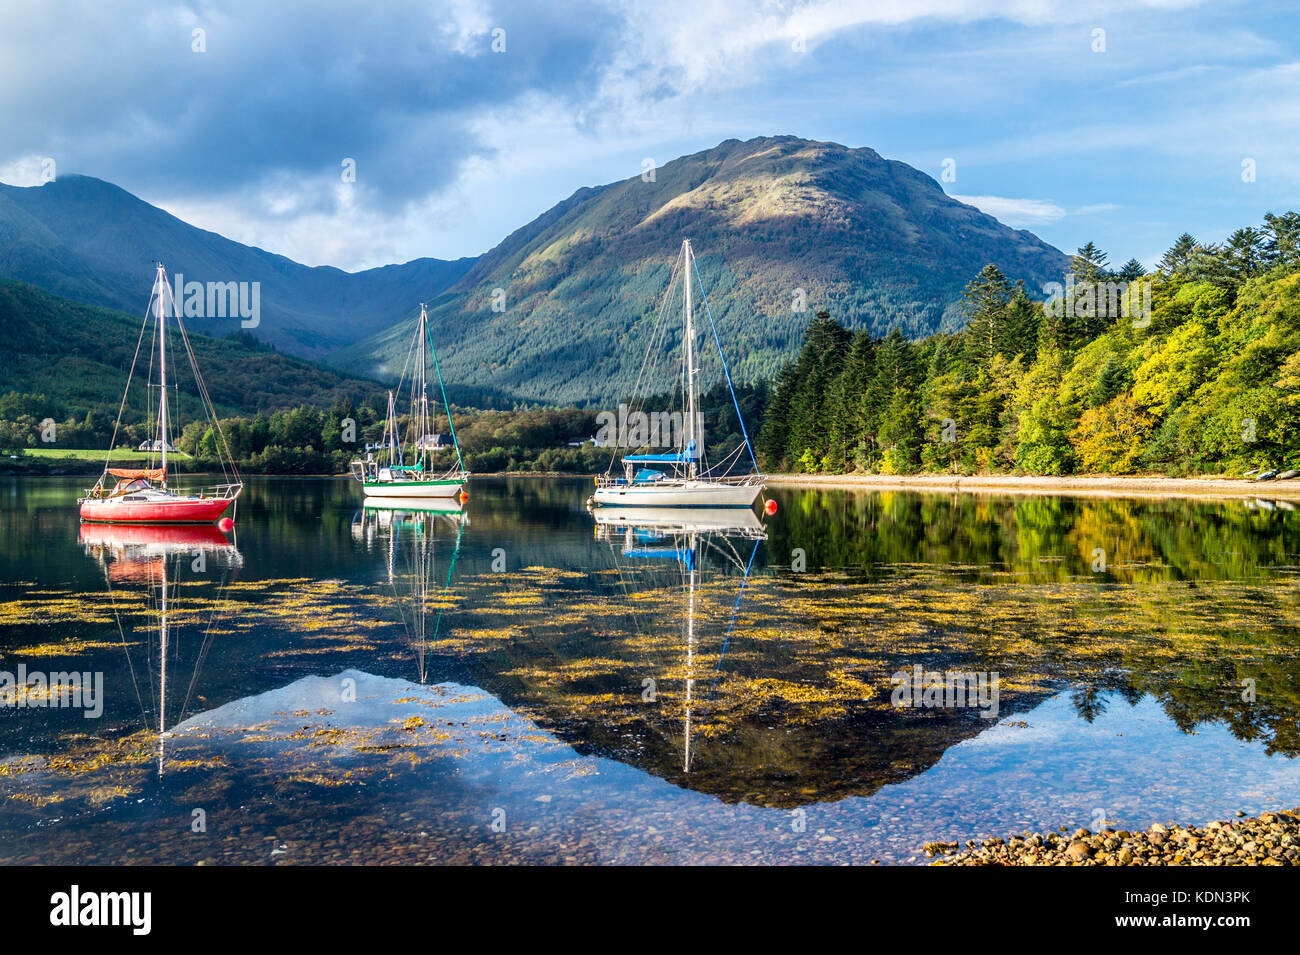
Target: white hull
[
  {"x": 684, "y": 494},
  {"x": 414, "y": 489}
]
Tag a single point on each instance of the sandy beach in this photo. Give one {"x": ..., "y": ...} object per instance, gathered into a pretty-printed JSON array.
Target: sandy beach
[{"x": 1098, "y": 486}]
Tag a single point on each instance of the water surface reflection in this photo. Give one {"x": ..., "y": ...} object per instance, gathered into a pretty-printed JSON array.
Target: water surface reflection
[{"x": 519, "y": 682}]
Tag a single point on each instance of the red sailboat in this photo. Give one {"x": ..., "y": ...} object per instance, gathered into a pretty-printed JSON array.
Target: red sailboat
[{"x": 140, "y": 494}]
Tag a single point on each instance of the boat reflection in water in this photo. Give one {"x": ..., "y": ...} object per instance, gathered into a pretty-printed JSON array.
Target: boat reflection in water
[
  {"x": 686, "y": 539},
  {"x": 408, "y": 537},
  {"x": 156, "y": 560}
]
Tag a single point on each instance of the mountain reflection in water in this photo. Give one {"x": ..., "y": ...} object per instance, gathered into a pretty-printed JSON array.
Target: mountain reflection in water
[{"x": 530, "y": 683}]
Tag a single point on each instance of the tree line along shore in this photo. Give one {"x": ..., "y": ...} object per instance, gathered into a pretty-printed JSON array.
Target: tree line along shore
[{"x": 1191, "y": 370}]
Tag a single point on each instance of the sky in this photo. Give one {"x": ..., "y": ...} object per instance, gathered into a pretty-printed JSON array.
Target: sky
[{"x": 361, "y": 134}]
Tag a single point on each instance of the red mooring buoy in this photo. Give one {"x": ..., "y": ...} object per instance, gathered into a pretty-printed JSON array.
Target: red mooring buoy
[
  {"x": 225, "y": 525},
  {"x": 769, "y": 508}
]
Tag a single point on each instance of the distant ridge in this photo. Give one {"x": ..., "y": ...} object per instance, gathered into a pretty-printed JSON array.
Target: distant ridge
[
  {"x": 773, "y": 220},
  {"x": 874, "y": 241},
  {"x": 77, "y": 357},
  {"x": 89, "y": 240}
]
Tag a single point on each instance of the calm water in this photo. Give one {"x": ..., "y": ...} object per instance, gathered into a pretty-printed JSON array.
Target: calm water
[{"x": 516, "y": 684}]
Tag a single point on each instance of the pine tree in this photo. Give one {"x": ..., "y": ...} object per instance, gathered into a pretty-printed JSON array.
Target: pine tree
[
  {"x": 1089, "y": 264},
  {"x": 901, "y": 434},
  {"x": 985, "y": 302},
  {"x": 1131, "y": 271},
  {"x": 774, "y": 434},
  {"x": 848, "y": 398},
  {"x": 1022, "y": 326},
  {"x": 1180, "y": 255},
  {"x": 1245, "y": 251},
  {"x": 1282, "y": 238},
  {"x": 1111, "y": 380},
  {"x": 823, "y": 354}
]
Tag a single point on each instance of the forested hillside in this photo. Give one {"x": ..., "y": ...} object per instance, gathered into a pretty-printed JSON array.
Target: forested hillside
[
  {"x": 68, "y": 362},
  {"x": 1207, "y": 381},
  {"x": 781, "y": 226}
]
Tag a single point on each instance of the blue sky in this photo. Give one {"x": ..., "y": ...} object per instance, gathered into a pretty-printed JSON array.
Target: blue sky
[{"x": 456, "y": 145}]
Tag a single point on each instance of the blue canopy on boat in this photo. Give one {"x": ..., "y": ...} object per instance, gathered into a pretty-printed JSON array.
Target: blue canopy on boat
[{"x": 680, "y": 457}]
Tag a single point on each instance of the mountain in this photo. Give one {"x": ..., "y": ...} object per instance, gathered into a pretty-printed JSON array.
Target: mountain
[
  {"x": 874, "y": 241},
  {"x": 89, "y": 240},
  {"x": 78, "y": 356}
]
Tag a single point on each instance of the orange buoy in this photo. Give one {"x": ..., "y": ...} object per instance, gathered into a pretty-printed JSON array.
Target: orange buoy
[
  {"x": 769, "y": 508},
  {"x": 463, "y": 497}
]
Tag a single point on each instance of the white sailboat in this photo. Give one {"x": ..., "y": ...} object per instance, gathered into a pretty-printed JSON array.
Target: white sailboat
[
  {"x": 683, "y": 478},
  {"x": 389, "y": 476}
]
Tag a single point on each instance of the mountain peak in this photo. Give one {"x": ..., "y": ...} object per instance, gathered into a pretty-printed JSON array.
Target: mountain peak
[
  {"x": 782, "y": 227},
  {"x": 74, "y": 185}
]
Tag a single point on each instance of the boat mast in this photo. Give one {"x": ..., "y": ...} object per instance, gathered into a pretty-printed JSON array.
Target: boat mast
[
  {"x": 690, "y": 363},
  {"x": 391, "y": 428},
  {"x": 160, "y": 289},
  {"x": 422, "y": 428}
]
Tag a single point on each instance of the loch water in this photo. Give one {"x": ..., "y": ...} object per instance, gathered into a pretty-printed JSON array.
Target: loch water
[{"x": 516, "y": 681}]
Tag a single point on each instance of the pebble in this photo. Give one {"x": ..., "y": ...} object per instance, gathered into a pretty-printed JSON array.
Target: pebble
[{"x": 1273, "y": 838}]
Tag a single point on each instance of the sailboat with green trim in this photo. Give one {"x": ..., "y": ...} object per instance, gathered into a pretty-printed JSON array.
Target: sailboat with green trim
[{"x": 411, "y": 465}]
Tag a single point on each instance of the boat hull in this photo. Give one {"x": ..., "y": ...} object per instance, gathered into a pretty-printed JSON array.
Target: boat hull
[
  {"x": 413, "y": 489},
  {"x": 691, "y": 494},
  {"x": 181, "y": 511}
]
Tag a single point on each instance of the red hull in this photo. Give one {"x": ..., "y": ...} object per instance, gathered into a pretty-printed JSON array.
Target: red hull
[{"x": 206, "y": 511}]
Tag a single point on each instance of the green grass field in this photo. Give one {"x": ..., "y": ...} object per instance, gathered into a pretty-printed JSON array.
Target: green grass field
[{"x": 97, "y": 454}]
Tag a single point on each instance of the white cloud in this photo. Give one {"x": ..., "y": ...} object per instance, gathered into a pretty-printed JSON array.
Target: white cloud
[
  {"x": 1018, "y": 213},
  {"x": 1027, "y": 213},
  {"x": 696, "y": 43},
  {"x": 26, "y": 170},
  {"x": 456, "y": 149}
]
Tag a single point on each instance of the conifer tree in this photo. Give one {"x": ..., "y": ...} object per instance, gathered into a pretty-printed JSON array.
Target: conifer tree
[
  {"x": 985, "y": 303},
  {"x": 1180, "y": 255},
  {"x": 1111, "y": 380},
  {"x": 1022, "y": 326},
  {"x": 1089, "y": 264},
  {"x": 1131, "y": 271},
  {"x": 818, "y": 364},
  {"x": 1282, "y": 238}
]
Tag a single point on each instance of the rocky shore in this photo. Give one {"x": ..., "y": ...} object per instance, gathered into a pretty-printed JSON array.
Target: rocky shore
[{"x": 1273, "y": 838}]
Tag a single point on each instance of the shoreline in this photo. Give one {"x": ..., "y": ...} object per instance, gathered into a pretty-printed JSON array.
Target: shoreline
[
  {"x": 1271, "y": 838},
  {"x": 1071, "y": 485},
  {"x": 1148, "y": 486}
]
